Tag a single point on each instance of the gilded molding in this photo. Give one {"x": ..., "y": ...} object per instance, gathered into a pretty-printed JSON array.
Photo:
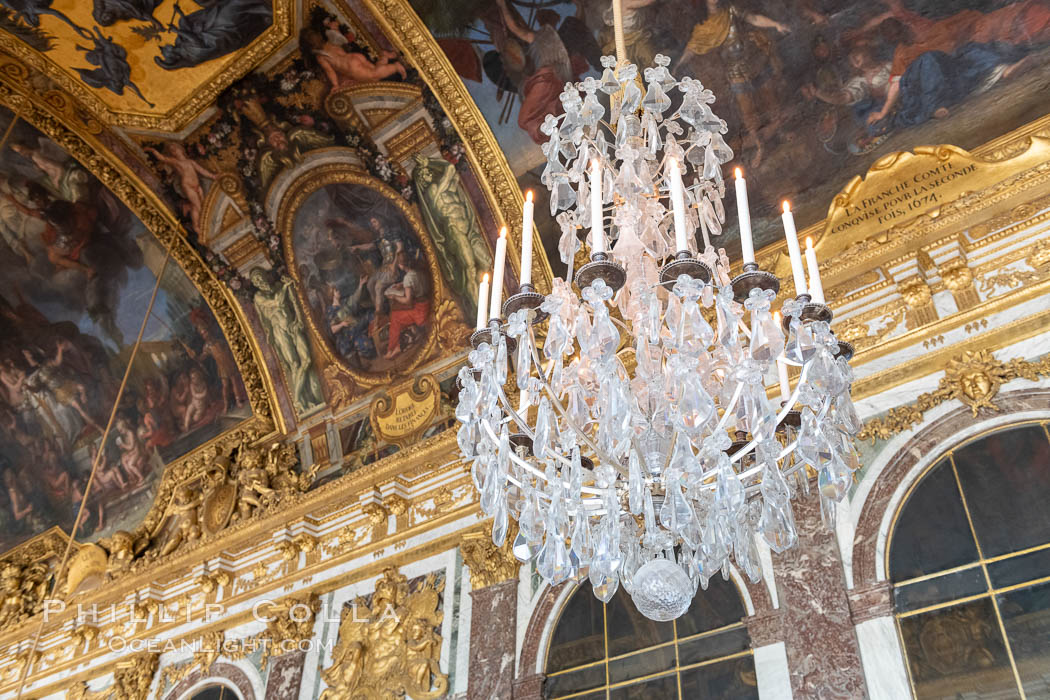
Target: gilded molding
[
  {"x": 973, "y": 378},
  {"x": 405, "y": 30}
]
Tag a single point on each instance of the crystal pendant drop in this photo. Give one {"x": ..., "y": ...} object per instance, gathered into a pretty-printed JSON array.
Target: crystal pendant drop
[
  {"x": 604, "y": 587},
  {"x": 655, "y": 99}
]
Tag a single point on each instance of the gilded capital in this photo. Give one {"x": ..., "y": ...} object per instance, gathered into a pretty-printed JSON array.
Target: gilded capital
[{"x": 488, "y": 563}]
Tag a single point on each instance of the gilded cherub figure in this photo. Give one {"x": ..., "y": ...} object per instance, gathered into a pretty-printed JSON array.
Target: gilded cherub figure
[{"x": 186, "y": 508}]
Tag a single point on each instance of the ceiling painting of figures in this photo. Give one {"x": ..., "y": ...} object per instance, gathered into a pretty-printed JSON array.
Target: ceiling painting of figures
[
  {"x": 813, "y": 91},
  {"x": 148, "y": 63},
  {"x": 79, "y": 271}
]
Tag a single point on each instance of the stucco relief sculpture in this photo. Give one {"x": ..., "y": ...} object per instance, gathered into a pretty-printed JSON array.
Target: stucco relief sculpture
[{"x": 389, "y": 647}]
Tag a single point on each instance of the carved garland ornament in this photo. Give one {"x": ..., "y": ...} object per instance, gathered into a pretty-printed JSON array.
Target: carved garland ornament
[{"x": 973, "y": 378}]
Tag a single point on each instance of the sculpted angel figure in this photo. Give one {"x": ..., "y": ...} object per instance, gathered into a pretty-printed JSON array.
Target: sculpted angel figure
[
  {"x": 255, "y": 488},
  {"x": 454, "y": 227}
]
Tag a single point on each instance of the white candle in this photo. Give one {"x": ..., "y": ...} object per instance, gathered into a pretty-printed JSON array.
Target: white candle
[
  {"x": 816, "y": 288},
  {"x": 797, "y": 271},
  {"x": 674, "y": 175},
  {"x": 483, "y": 301},
  {"x": 747, "y": 243},
  {"x": 597, "y": 229},
  {"x": 526, "y": 239},
  {"x": 785, "y": 385},
  {"x": 495, "y": 310}
]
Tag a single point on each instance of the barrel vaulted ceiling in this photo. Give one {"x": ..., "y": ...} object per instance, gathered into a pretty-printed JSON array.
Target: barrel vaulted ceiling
[{"x": 318, "y": 187}]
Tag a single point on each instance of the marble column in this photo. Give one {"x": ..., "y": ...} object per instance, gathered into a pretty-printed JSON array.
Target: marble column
[
  {"x": 880, "y": 648},
  {"x": 493, "y": 618},
  {"x": 818, "y": 630}
]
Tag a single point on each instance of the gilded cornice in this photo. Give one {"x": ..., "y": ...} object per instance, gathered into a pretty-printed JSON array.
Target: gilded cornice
[
  {"x": 964, "y": 212},
  {"x": 406, "y": 30},
  {"x": 310, "y": 585},
  {"x": 429, "y": 458}
]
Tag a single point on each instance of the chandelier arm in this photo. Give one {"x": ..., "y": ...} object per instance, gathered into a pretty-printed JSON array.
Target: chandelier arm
[
  {"x": 532, "y": 468},
  {"x": 556, "y": 403},
  {"x": 731, "y": 406},
  {"x": 513, "y": 415},
  {"x": 753, "y": 471},
  {"x": 743, "y": 451}
]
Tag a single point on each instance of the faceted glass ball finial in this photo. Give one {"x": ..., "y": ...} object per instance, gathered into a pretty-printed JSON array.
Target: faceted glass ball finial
[{"x": 662, "y": 591}]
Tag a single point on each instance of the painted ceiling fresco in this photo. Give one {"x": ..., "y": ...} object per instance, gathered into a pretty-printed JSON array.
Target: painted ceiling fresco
[
  {"x": 814, "y": 91},
  {"x": 79, "y": 270},
  {"x": 136, "y": 57},
  {"x": 329, "y": 195}
]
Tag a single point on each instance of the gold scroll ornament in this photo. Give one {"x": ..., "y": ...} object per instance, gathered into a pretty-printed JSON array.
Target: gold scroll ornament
[
  {"x": 400, "y": 415},
  {"x": 902, "y": 186}
]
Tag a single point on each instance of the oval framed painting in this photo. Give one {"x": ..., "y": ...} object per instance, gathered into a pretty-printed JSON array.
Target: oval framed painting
[{"x": 365, "y": 270}]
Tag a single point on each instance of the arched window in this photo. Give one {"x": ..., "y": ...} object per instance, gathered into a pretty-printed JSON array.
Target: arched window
[
  {"x": 214, "y": 692},
  {"x": 969, "y": 558},
  {"x": 611, "y": 652}
]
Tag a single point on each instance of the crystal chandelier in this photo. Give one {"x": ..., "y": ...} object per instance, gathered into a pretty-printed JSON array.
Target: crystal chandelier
[{"x": 643, "y": 450}]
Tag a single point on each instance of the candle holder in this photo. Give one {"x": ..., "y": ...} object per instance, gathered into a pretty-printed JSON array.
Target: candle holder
[
  {"x": 526, "y": 298},
  {"x": 684, "y": 264},
  {"x": 521, "y": 444},
  {"x": 603, "y": 268},
  {"x": 753, "y": 278},
  {"x": 486, "y": 335},
  {"x": 845, "y": 350},
  {"x": 815, "y": 311},
  {"x": 482, "y": 335},
  {"x": 738, "y": 443}
]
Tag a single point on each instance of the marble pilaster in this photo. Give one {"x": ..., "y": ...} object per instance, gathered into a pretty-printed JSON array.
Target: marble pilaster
[
  {"x": 818, "y": 630},
  {"x": 492, "y": 641},
  {"x": 494, "y": 615}
]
